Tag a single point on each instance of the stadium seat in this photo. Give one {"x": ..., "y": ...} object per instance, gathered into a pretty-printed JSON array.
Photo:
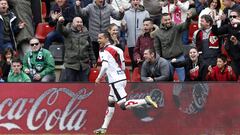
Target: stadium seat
[
  {"x": 192, "y": 28},
  {"x": 42, "y": 30},
  {"x": 93, "y": 74},
  {"x": 44, "y": 10},
  {"x": 128, "y": 76},
  {"x": 136, "y": 77}
]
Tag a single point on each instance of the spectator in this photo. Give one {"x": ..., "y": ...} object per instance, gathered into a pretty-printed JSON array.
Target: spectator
[
  {"x": 99, "y": 13},
  {"x": 200, "y": 5},
  {"x": 144, "y": 41},
  {"x": 117, "y": 5},
  {"x": 194, "y": 68},
  {"x": 132, "y": 23},
  {"x": 229, "y": 6},
  {"x": 39, "y": 63},
  {"x": 114, "y": 36},
  {"x": 78, "y": 50},
  {"x": 6, "y": 62},
  {"x": 37, "y": 11},
  {"x": 154, "y": 7},
  {"x": 9, "y": 26},
  {"x": 154, "y": 68},
  {"x": 206, "y": 41},
  {"x": 24, "y": 12},
  {"x": 232, "y": 44},
  {"x": 179, "y": 11},
  {"x": 214, "y": 10},
  {"x": 16, "y": 74},
  {"x": 60, "y": 8},
  {"x": 221, "y": 72},
  {"x": 168, "y": 43}
]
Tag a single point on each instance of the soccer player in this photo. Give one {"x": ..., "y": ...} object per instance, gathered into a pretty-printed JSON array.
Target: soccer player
[{"x": 113, "y": 65}]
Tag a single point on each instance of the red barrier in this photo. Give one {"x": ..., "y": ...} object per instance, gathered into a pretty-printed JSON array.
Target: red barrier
[{"x": 185, "y": 109}]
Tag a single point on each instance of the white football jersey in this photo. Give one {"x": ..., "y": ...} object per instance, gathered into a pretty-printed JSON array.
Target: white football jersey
[{"x": 116, "y": 65}]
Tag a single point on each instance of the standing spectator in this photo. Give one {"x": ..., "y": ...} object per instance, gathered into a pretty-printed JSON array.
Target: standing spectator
[
  {"x": 60, "y": 8},
  {"x": 78, "y": 50},
  {"x": 194, "y": 68},
  {"x": 99, "y": 13},
  {"x": 132, "y": 23},
  {"x": 222, "y": 71},
  {"x": 6, "y": 62},
  {"x": 206, "y": 41},
  {"x": 229, "y": 6},
  {"x": 39, "y": 63},
  {"x": 114, "y": 36},
  {"x": 9, "y": 26},
  {"x": 154, "y": 7},
  {"x": 24, "y": 12},
  {"x": 16, "y": 74},
  {"x": 232, "y": 44},
  {"x": 214, "y": 10},
  {"x": 200, "y": 5},
  {"x": 168, "y": 43},
  {"x": 144, "y": 41},
  {"x": 37, "y": 11},
  {"x": 178, "y": 12},
  {"x": 154, "y": 68}
]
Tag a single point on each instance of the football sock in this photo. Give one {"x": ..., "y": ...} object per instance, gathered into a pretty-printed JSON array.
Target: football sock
[
  {"x": 108, "y": 116},
  {"x": 135, "y": 103}
]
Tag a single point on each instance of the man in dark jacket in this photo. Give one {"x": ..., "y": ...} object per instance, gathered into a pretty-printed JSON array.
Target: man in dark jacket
[
  {"x": 168, "y": 42},
  {"x": 9, "y": 26},
  {"x": 78, "y": 50}
]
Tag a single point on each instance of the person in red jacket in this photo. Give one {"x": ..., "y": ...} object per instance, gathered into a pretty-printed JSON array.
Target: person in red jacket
[{"x": 222, "y": 71}]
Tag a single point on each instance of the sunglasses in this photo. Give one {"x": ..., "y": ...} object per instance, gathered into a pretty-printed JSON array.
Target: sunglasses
[
  {"x": 34, "y": 44},
  {"x": 232, "y": 16}
]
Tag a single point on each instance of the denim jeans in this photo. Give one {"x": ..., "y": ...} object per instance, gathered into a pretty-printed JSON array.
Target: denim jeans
[
  {"x": 53, "y": 36},
  {"x": 180, "y": 71},
  {"x": 75, "y": 75}
]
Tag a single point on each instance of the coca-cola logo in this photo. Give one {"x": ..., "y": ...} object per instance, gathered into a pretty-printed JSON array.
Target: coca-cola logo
[{"x": 70, "y": 118}]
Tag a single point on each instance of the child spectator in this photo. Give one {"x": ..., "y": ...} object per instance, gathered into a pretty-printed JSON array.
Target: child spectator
[{"x": 222, "y": 71}]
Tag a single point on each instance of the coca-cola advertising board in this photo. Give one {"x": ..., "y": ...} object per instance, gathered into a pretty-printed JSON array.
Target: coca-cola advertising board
[{"x": 79, "y": 108}]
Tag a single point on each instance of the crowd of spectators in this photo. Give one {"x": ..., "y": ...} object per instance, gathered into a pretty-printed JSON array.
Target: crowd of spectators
[{"x": 154, "y": 33}]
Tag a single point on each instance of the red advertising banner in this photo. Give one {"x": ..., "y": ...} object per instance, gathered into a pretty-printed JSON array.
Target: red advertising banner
[{"x": 79, "y": 108}]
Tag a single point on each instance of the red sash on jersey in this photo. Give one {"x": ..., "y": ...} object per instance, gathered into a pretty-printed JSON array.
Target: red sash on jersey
[{"x": 115, "y": 55}]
